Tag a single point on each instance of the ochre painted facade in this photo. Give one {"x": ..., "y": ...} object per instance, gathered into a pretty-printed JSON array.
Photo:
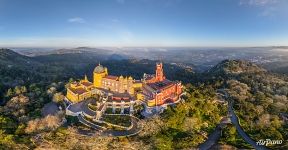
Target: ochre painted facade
[
  {"x": 77, "y": 92},
  {"x": 98, "y": 73},
  {"x": 154, "y": 89},
  {"x": 118, "y": 84}
]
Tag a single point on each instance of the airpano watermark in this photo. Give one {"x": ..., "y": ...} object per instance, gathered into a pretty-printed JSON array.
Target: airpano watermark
[{"x": 268, "y": 142}]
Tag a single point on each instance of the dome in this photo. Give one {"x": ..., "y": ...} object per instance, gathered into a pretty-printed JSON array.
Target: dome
[{"x": 99, "y": 69}]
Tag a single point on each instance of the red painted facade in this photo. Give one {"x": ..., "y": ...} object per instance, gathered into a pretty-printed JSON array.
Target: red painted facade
[
  {"x": 159, "y": 90},
  {"x": 159, "y": 72}
]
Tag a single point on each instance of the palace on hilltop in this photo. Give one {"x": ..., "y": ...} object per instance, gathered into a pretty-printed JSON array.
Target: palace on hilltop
[
  {"x": 78, "y": 91},
  {"x": 158, "y": 90},
  {"x": 153, "y": 90},
  {"x": 103, "y": 83},
  {"x": 114, "y": 83}
]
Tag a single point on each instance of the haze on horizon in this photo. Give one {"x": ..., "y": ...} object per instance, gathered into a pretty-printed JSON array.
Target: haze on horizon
[{"x": 143, "y": 23}]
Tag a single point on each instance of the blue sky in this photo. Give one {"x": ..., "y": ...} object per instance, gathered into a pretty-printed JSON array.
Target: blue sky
[{"x": 98, "y": 23}]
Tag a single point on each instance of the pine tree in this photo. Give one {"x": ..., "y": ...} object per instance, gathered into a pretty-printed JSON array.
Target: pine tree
[
  {"x": 10, "y": 93},
  {"x": 17, "y": 90},
  {"x": 23, "y": 89}
]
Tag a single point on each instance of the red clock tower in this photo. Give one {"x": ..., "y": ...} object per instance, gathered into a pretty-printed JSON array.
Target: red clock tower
[{"x": 159, "y": 72}]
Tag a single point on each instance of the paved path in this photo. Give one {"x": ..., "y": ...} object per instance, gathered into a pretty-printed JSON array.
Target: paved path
[
  {"x": 235, "y": 122},
  {"x": 212, "y": 139},
  {"x": 216, "y": 134},
  {"x": 243, "y": 134},
  {"x": 83, "y": 106},
  {"x": 86, "y": 110},
  {"x": 133, "y": 131},
  {"x": 88, "y": 123}
]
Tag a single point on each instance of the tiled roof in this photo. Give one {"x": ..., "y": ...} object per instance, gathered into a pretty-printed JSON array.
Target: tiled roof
[
  {"x": 87, "y": 84},
  {"x": 161, "y": 85},
  {"x": 78, "y": 90},
  {"x": 111, "y": 77},
  {"x": 75, "y": 83},
  {"x": 119, "y": 101},
  {"x": 149, "y": 78}
]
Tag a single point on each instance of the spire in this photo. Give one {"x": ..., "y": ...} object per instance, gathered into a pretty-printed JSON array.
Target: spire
[
  {"x": 159, "y": 72},
  {"x": 85, "y": 78}
]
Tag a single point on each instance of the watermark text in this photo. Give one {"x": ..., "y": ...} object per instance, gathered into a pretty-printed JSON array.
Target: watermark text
[{"x": 268, "y": 142}]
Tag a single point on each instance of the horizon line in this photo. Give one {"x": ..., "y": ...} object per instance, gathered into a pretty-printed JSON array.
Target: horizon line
[{"x": 74, "y": 47}]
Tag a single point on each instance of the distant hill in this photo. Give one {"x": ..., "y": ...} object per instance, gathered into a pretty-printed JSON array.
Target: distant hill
[
  {"x": 117, "y": 57},
  {"x": 16, "y": 69},
  {"x": 11, "y": 58},
  {"x": 79, "y": 50},
  {"x": 232, "y": 67}
]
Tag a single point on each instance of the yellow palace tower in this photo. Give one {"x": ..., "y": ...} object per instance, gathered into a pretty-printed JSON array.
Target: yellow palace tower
[{"x": 98, "y": 73}]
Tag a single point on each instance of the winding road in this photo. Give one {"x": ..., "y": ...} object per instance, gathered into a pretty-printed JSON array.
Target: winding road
[
  {"x": 130, "y": 132},
  {"x": 135, "y": 129},
  {"x": 88, "y": 123},
  {"x": 235, "y": 122},
  {"x": 212, "y": 139},
  {"x": 83, "y": 108},
  {"x": 216, "y": 134}
]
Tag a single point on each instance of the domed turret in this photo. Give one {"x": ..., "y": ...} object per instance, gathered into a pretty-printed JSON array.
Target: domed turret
[
  {"x": 98, "y": 74},
  {"x": 99, "y": 69}
]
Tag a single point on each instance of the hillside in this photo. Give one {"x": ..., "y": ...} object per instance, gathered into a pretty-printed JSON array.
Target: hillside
[
  {"x": 234, "y": 67},
  {"x": 11, "y": 58},
  {"x": 260, "y": 98},
  {"x": 78, "y": 50},
  {"x": 18, "y": 69},
  {"x": 25, "y": 91}
]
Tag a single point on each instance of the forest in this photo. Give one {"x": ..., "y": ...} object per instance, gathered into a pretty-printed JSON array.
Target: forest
[{"x": 27, "y": 84}]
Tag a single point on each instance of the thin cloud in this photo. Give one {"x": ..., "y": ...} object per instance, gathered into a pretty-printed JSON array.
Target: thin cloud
[
  {"x": 268, "y": 12},
  {"x": 266, "y": 8},
  {"x": 77, "y": 20},
  {"x": 258, "y": 2}
]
